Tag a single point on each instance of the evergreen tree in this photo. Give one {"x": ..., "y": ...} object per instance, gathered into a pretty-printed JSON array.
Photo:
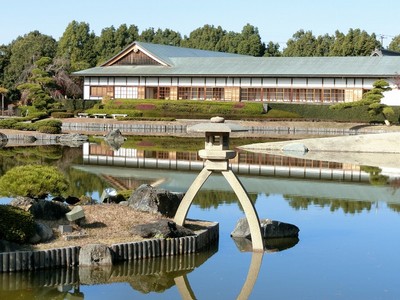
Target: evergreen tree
[
  {"x": 77, "y": 44},
  {"x": 205, "y": 38},
  {"x": 40, "y": 85},
  {"x": 24, "y": 51},
  {"x": 395, "y": 44},
  {"x": 167, "y": 37},
  {"x": 250, "y": 42},
  {"x": 272, "y": 50},
  {"x": 303, "y": 43},
  {"x": 147, "y": 35}
]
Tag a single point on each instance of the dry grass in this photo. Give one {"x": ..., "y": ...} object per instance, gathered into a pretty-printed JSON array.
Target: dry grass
[{"x": 104, "y": 223}]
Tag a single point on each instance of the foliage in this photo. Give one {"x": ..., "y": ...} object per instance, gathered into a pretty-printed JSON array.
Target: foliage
[
  {"x": 48, "y": 126},
  {"x": 395, "y": 44},
  {"x": 7, "y": 123},
  {"x": 17, "y": 225},
  {"x": 62, "y": 115},
  {"x": 184, "y": 108},
  {"x": 23, "y": 52},
  {"x": 78, "y": 105},
  {"x": 77, "y": 46},
  {"x": 35, "y": 181},
  {"x": 212, "y": 38},
  {"x": 49, "y": 129},
  {"x": 371, "y": 100},
  {"x": 39, "y": 85},
  {"x": 354, "y": 43},
  {"x": 129, "y": 112}
]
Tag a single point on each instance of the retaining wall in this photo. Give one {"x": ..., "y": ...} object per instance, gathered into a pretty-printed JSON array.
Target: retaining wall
[{"x": 69, "y": 257}]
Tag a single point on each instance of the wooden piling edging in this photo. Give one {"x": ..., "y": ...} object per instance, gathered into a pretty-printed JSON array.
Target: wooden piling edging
[{"x": 69, "y": 257}]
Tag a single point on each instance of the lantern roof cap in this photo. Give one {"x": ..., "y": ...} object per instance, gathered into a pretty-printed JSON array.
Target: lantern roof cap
[{"x": 216, "y": 124}]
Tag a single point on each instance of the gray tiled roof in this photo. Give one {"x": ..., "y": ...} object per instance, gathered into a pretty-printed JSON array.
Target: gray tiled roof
[
  {"x": 261, "y": 66},
  {"x": 193, "y": 62}
]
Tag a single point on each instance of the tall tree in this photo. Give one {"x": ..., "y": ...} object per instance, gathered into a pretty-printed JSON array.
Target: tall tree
[
  {"x": 336, "y": 48},
  {"x": 395, "y": 44},
  {"x": 355, "y": 43},
  {"x": 77, "y": 45},
  {"x": 167, "y": 37},
  {"x": 40, "y": 85},
  {"x": 125, "y": 35},
  {"x": 251, "y": 43},
  {"x": 302, "y": 43},
  {"x": 324, "y": 43},
  {"x": 205, "y": 38},
  {"x": 272, "y": 50},
  {"x": 24, "y": 51},
  {"x": 105, "y": 45},
  {"x": 147, "y": 35}
]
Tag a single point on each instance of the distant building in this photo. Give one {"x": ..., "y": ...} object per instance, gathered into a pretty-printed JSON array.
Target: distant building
[{"x": 150, "y": 71}]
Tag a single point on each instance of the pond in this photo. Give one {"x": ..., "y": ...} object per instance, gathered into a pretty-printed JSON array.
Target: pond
[{"x": 348, "y": 218}]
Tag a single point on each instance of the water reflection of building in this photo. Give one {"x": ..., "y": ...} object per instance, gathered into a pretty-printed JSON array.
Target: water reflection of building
[{"x": 245, "y": 163}]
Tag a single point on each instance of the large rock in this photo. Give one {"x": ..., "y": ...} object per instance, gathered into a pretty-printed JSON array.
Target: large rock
[
  {"x": 114, "y": 139},
  {"x": 269, "y": 229},
  {"x": 157, "y": 201},
  {"x": 161, "y": 229},
  {"x": 42, "y": 209},
  {"x": 95, "y": 255},
  {"x": 42, "y": 234}
]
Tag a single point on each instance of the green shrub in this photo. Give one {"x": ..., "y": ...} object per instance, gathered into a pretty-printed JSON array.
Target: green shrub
[
  {"x": 49, "y": 122},
  {"x": 35, "y": 181},
  {"x": 78, "y": 104},
  {"x": 17, "y": 225},
  {"x": 49, "y": 129},
  {"x": 62, "y": 115},
  {"x": 24, "y": 126},
  {"x": 7, "y": 123},
  {"x": 129, "y": 112}
]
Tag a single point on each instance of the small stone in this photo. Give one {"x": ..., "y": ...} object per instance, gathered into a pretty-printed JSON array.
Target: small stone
[{"x": 75, "y": 214}]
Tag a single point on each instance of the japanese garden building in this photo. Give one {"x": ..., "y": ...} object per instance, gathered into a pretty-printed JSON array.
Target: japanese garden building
[{"x": 150, "y": 71}]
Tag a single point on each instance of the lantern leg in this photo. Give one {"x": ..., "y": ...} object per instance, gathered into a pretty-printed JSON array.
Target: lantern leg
[
  {"x": 187, "y": 200},
  {"x": 249, "y": 210}
]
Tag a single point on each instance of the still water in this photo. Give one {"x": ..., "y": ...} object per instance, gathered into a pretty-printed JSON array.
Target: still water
[{"x": 348, "y": 244}]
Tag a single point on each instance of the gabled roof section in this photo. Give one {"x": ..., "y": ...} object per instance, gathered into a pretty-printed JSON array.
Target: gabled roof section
[{"x": 137, "y": 52}]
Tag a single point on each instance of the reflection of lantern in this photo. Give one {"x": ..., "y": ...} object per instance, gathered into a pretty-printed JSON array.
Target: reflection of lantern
[{"x": 217, "y": 154}]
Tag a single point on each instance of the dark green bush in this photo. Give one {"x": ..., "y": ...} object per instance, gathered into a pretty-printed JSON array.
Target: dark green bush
[
  {"x": 17, "y": 225},
  {"x": 7, "y": 123},
  {"x": 49, "y": 122},
  {"x": 62, "y": 115},
  {"x": 24, "y": 126},
  {"x": 129, "y": 112},
  {"x": 78, "y": 104},
  {"x": 49, "y": 129}
]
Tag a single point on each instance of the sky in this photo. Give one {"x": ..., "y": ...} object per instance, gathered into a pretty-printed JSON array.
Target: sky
[{"x": 276, "y": 20}]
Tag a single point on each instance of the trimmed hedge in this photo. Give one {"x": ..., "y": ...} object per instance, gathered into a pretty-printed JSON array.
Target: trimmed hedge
[
  {"x": 129, "y": 112},
  {"x": 17, "y": 225},
  {"x": 62, "y": 115}
]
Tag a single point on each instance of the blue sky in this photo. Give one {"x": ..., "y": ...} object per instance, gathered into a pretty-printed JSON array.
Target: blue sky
[{"x": 276, "y": 20}]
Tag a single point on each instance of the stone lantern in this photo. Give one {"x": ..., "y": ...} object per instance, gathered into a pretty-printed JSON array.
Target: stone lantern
[{"x": 216, "y": 153}]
